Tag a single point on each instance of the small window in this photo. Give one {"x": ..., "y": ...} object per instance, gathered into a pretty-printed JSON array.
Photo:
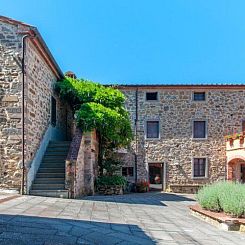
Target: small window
[
  {"x": 53, "y": 111},
  {"x": 127, "y": 171},
  {"x": 152, "y": 129},
  {"x": 151, "y": 96},
  {"x": 199, "y": 96},
  {"x": 199, "y": 167},
  {"x": 199, "y": 130}
]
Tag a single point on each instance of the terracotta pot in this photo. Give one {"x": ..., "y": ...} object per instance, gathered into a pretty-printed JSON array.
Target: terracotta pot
[{"x": 241, "y": 140}]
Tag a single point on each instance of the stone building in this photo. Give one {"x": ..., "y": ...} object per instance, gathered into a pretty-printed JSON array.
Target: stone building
[
  {"x": 44, "y": 114},
  {"x": 179, "y": 130},
  {"x": 41, "y": 151},
  {"x": 180, "y": 133}
]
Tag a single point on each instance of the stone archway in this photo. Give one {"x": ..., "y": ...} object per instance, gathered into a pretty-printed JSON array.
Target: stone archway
[{"x": 236, "y": 169}]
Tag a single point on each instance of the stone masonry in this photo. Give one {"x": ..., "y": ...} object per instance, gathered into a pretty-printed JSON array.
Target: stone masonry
[
  {"x": 81, "y": 164},
  {"x": 39, "y": 88},
  {"x": 224, "y": 110}
]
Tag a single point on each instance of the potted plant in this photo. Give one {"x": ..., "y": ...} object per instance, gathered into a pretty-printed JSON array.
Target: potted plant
[
  {"x": 110, "y": 185},
  {"x": 229, "y": 138},
  {"x": 142, "y": 186},
  {"x": 241, "y": 137}
]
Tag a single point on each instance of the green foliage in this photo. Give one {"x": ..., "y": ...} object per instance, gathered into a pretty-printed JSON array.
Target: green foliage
[
  {"x": 111, "y": 166},
  {"x": 110, "y": 180},
  {"x": 208, "y": 197},
  {"x": 114, "y": 126},
  {"x": 223, "y": 196},
  {"x": 98, "y": 107},
  {"x": 81, "y": 91}
]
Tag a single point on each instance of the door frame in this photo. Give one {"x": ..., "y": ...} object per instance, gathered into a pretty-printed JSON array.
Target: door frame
[{"x": 163, "y": 173}]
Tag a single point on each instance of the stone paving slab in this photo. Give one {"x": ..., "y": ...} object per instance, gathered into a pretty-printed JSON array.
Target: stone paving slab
[{"x": 149, "y": 218}]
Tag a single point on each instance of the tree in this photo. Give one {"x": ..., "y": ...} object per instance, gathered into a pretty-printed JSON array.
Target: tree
[{"x": 98, "y": 107}]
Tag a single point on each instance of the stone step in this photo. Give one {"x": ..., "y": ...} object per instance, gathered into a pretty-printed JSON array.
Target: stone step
[
  {"x": 52, "y": 157},
  {"x": 58, "y": 148},
  {"x": 51, "y": 170},
  {"x": 55, "y": 153},
  {"x": 59, "y": 143},
  {"x": 49, "y": 180},
  {"x": 50, "y": 193},
  {"x": 52, "y": 165},
  {"x": 49, "y": 186},
  {"x": 54, "y": 162},
  {"x": 50, "y": 175},
  {"x": 59, "y": 162}
]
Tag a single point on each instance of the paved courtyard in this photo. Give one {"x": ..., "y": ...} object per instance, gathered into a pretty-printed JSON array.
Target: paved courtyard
[{"x": 150, "y": 218}]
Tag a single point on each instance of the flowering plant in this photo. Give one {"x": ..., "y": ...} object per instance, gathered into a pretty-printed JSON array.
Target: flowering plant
[
  {"x": 234, "y": 136},
  {"x": 142, "y": 186}
]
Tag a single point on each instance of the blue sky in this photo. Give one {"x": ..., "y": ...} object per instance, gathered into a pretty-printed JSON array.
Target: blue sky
[{"x": 141, "y": 41}]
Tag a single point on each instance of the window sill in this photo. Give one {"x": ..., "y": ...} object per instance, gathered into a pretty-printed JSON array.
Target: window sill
[
  {"x": 200, "y": 178},
  {"x": 199, "y": 139},
  {"x": 199, "y": 101},
  {"x": 152, "y": 139}
]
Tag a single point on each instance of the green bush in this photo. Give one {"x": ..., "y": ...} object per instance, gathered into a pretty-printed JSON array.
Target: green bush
[
  {"x": 110, "y": 180},
  {"x": 223, "y": 196}
]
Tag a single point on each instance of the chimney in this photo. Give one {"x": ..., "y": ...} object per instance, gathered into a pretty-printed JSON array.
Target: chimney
[{"x": 70, "y": 74}]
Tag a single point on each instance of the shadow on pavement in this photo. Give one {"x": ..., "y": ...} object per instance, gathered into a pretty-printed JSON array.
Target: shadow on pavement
[
  {"x": 150, "y": 198},
  {"x": 33, "y": 230}
]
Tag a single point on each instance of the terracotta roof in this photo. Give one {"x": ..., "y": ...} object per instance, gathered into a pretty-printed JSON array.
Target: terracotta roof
[
  {"x": 180, "y": 86},
  {"x": 38, "y": 42}
]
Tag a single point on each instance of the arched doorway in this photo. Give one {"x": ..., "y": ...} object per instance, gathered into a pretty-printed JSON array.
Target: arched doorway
[{"x": 236, "y": 169}]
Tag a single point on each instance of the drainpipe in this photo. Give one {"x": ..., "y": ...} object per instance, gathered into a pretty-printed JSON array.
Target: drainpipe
[
  {"x": 24, "y": 37},
  {"x": 136, "y": 133}
]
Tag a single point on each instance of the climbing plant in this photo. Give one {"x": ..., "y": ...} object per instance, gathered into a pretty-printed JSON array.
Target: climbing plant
[{"x": 98, "y": 107}]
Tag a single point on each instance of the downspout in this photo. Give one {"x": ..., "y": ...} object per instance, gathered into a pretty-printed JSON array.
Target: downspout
[
  {"x": 136, "y": 134},
  {"x": 24, "y": 37}
]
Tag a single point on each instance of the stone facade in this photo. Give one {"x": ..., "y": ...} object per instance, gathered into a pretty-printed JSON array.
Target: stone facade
[
  {"x": 40, "y": 78},
  {"x": 81, "y": 164},
  {"x": 10, "y": 107},
  {"x": 223, "y": 110}
]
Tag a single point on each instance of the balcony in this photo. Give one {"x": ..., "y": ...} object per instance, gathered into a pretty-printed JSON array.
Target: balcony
[{"x": 235, "y": 152}]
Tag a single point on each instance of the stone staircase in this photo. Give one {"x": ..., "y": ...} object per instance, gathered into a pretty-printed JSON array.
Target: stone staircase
[{"x": 50, "y": 177}]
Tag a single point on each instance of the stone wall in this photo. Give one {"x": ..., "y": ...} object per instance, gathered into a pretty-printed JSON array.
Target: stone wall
[
  {"x": 40, "y": 82},
  {"x": 10, "y": 107},
  {"x": 224, "y": 110},
  {"x": 81, "y": 164},
  {"x": 39, "y": 87}
]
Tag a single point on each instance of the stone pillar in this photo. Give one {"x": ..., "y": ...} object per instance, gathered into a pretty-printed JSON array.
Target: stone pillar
[
  {"x": 90, "y": 162},
  {"x": 81, "y": 164}
]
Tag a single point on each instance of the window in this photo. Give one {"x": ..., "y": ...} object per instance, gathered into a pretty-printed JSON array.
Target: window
[
  {"x": 199, "y": 130},
  {"x": 53, "y": 111},
  {"x": 151, "y": 96},
  {"x": 127, "y": 171},
  {"x": 152, "y": 129},
  {"x": 199, "y": 96},
  {"x": 199, "y": 167}
]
